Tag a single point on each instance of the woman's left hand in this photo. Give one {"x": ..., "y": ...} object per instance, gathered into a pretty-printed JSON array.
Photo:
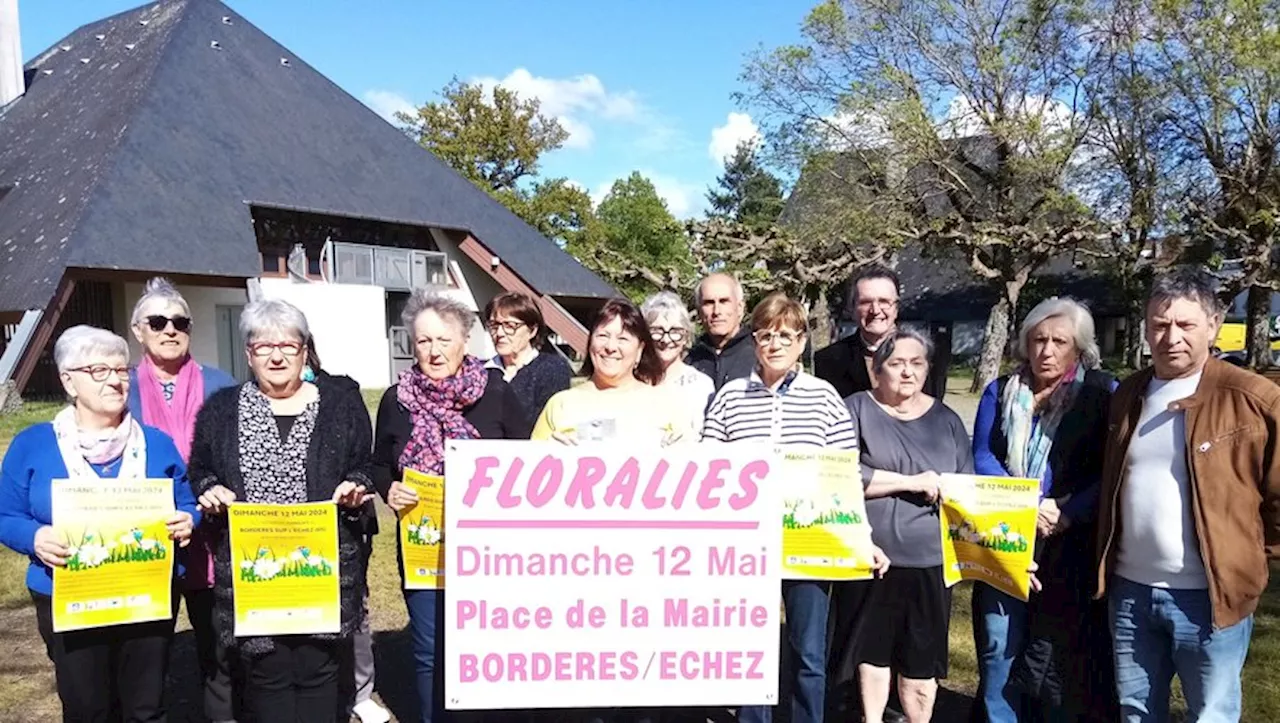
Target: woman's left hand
[
  {"x": 1035, "y": 582},
  {"x": 879, "y": 561},
  {"x": 180, "y": 527},
  {"x": 350, "y": 494}
]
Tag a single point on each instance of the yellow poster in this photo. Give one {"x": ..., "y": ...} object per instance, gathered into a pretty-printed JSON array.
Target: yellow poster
[
  {"x": 285, "y": 568},
  {"x": 989, "y": 531},
  {"x": 121, "y": 565},
  {"x": 422, "y": 533},
  {"x": 825, "y": 535}
]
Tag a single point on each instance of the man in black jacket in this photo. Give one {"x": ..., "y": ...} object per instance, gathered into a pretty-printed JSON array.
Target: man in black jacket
[
  {"x": 846, "y": 364},
  {"x": 726, "y": 350}
]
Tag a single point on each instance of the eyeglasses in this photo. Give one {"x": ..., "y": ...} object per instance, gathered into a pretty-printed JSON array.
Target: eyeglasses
[
  {"x": 674, "y": 334},
  {"x": 785, "y": 338},
  {"x": 181, "y": 324},
  {"x": 510, "y": 327},
  {"x": 266, "y": 348},
  {"x": 100, "y": 372}
]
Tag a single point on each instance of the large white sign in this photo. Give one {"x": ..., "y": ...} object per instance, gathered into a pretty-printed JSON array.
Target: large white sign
[{"x": 608, "y": 576}]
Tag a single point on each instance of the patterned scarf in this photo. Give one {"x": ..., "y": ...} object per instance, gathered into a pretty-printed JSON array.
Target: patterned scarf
[
  {"x": 274, "y": 470},
  {"x": 1030, "y": 439},
  {"x": 80, "y": 449},
  {"x": 436, "y": 410}
]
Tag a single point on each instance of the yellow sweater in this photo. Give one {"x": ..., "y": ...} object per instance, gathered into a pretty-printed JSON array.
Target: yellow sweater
[{"x": 640, "y": 414}]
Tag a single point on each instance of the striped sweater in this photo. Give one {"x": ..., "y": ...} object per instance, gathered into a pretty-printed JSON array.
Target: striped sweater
[{"x": 804, "y": 411}]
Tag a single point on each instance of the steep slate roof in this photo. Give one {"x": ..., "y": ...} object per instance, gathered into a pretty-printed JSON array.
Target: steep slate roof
[{"x": 140, "y": 146}]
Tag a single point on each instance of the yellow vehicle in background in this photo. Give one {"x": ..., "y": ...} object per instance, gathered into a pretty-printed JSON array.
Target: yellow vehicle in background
[{"x": 1231, "y": 337}]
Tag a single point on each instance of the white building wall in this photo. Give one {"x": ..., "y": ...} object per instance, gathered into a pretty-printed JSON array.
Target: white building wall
[
  {"x": 349, "y": 323},
  {"x": 203, "y": 301}
]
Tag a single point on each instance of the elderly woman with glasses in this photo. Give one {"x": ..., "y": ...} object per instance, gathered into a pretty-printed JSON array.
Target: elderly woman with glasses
[
  {"x": 780, "y": 404},
  {"x": 448, "y": 394},
  {"x": 166, "y": 390},
  {"x": 281, "y": 440},
  {"x": 520, "y": 336},
  {"x": 907, "y": 439},
  {"x": 94, "y": 438},
  {"x": 1049, "y": 657},
  {"x": 672, "y": 332}
]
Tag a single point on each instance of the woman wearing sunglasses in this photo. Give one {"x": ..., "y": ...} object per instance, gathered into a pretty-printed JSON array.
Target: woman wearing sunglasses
[
  {"x": 672, "y": 332},
  {"x": 166, "y": 390}
]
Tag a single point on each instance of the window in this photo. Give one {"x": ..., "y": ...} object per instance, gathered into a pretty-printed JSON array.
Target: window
[
  {"x": 272, "y": 264},
  {"x": 353, "y": 264},
  {"x": 314, "y": 267},
  {"x": 391, "y": 269},
  {"x": 431, "y": 268}
]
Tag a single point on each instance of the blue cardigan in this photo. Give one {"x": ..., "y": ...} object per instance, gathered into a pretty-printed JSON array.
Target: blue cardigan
[
  {"x": 1080, "y": 507},
  {"x": 26, "y": 475}
]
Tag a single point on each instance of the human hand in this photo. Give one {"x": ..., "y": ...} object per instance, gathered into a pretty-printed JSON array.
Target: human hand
[
  {"x": 1047, "y": 516},
  {"x": 216, "y": 499},
  {"x": 51, "y": 548},
  {"x": 879, "y": 561},
  {"x": 352, "y": 495},
  {"x": 928, "y": 484},
  {"x": 566, "y": 437},
  {"x": 1035, "y": 582},
  {"x": 401, "y": 497},
  {"x": 180, "y": 527}
]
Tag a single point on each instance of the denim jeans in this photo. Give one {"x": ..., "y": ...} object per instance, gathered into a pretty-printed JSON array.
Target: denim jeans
[
  {"x": 999, "y": 636},
  {"x": 426, "y": 624},
  {"x": 806, "y": 605},
  {"x": 1159, "y": 633}
]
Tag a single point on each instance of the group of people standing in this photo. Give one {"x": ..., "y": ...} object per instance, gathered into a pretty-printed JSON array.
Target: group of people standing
[{"x": 1160, "y": 494}]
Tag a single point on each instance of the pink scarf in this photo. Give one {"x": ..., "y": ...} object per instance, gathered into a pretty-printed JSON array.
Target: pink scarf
[
  {"x": 176, "y": 418},
  {"x": 436, "y": 410}
]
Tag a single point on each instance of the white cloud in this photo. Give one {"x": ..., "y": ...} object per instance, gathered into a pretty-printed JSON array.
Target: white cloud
[
  {"x": 684, "y": 199},
  {"x": 725, "y": 138},
  {"x": 575, "y": 101},
  {"x": 387, "y": 103}
]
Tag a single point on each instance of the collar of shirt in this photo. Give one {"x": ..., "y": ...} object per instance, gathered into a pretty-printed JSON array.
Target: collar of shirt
[{"x": 755, "y": 383}]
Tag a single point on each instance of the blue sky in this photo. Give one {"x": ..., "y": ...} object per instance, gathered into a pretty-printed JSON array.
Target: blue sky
[{"x": 640, "y": 86}]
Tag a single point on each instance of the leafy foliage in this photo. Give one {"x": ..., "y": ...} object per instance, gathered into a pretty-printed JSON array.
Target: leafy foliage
[{"x": 746, "y": 193}]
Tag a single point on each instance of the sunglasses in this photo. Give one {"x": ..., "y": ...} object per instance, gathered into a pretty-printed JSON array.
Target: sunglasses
[{"x": 181, "y": 324}]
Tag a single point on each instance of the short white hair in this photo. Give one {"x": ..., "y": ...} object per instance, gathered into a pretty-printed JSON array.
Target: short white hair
[
  {"x": 449, "y": 309},
  {"x": 158, "y": 290},
  {"x": 738, "y": 295},
  {"x": 666, "y": 302},
  {"x": 79, "y": 345},
  {"x": 1081, "y": 324},
  {"x": 273, "y": 317}
]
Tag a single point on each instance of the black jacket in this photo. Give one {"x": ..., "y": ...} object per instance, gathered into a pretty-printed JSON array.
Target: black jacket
[
  {"x": 843, "y": 365},
  {"x": 339, "y": 451},
  {"x": 497, "y": 415},
  {"x": 735, "y": 361}
]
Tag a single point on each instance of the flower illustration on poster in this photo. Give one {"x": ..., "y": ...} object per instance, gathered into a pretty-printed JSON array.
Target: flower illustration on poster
[
  {"x": 94, "y": 549},
  {"x": 266, "y": 565}
]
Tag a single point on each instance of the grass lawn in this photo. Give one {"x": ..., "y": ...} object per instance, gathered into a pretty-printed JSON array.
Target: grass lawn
[{"x": 26, "y": 681}]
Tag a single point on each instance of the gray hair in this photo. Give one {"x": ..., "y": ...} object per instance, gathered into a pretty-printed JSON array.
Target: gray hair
[
  {"x": 82, "y": 343},
  {"x": 906, "y": 331},
  {"x": 273, "y": 316},
  {"x": 738, "y": 294},
  {"x": 666, "y": 302},
  {"x": 158, "y": 289},
  {"x": 1192, "y": 283},
  {"x": 450, "y": 310},
  {"x": 1082, "y": 327}
]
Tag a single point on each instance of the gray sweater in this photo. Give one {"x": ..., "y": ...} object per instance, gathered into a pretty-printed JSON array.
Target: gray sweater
[{"x": 905, "y": 526}]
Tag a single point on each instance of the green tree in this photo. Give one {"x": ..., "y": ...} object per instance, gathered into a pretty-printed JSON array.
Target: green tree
[
  {"x": 494, "y": 140},
  {"x": 640, "y": 242},
  {"x": 497, "y": 141},
  {"x": 746, "y": 193},
  {"x": 965, "y": 115}
]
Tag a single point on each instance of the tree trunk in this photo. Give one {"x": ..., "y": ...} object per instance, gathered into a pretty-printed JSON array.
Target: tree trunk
[
  {"x": 1258, "y": 331},
  {"x": 994, "y": 342},
  {"x": 820, "y": 321},
  {"x": 1133, "y": 337}
]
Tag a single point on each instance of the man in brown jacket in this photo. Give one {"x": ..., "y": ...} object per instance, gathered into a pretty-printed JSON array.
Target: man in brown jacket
[{"x": 1189, "y": 512}]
